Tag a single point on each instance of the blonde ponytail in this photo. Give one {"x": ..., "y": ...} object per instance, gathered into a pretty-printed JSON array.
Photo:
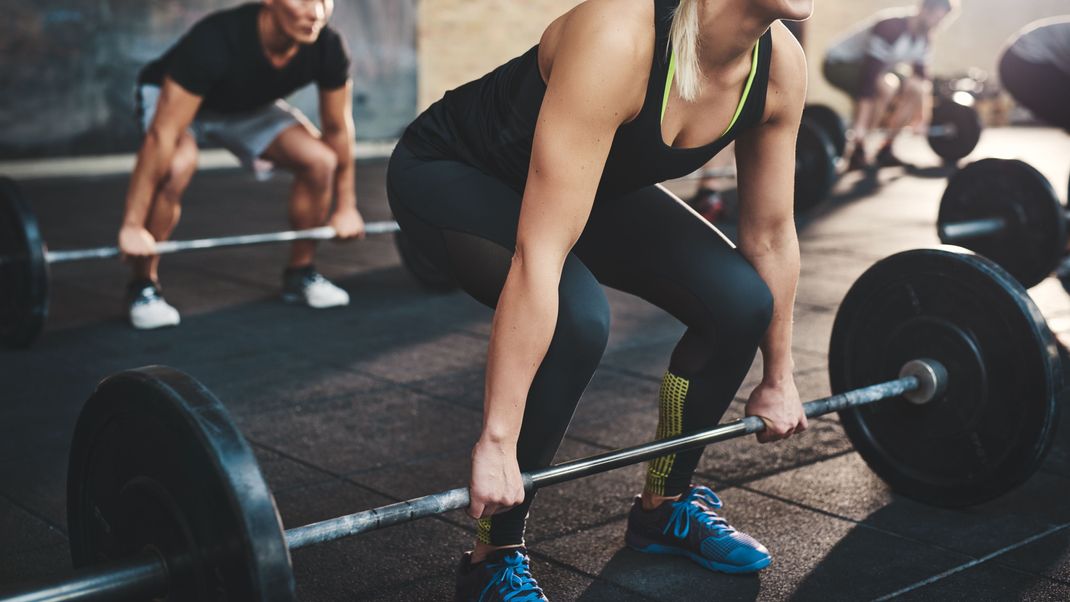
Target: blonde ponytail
[{"x": 683, "y": 36}]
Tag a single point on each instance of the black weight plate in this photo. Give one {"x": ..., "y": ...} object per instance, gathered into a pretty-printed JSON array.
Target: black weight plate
[
  {"x": 1035, "y": 237},
  {"x": 157, "y": 464},
  {"x": 830, "y": 122},
  {"x": 23, "y": 270},
  {"x": 967, "y": 125},
  {"x": 991, "y": 429},
  {"x": 815, "y": 167},
  {"x": 429, "y": 275}
]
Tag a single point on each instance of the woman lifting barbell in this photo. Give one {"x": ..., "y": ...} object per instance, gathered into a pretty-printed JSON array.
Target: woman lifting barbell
[{"x": 541, "y": 177}]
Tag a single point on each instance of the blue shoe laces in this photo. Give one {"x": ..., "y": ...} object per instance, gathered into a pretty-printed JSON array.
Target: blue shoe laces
[
  {"x": 513, "y": 578},
  {"x": 697, "y": 506}
]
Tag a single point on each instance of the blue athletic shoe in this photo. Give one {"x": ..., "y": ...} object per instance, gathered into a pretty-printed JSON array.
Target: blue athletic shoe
[
  {"x": 690, "y": 527},
  {"x": 504, "y": 576}
]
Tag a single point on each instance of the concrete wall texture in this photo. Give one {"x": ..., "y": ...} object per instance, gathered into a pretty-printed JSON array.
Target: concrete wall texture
[
  {"x": 68, "y": 67},
  {"x": 460, "y": 40}
]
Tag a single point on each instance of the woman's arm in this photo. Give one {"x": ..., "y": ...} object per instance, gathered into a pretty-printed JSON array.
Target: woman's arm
[
  {"x": 765, "y": 157},
  {"x": 594, "y": 86}
]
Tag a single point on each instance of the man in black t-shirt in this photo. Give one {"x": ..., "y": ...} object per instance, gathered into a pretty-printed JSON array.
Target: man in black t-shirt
[{"x": 223, "y": 82}]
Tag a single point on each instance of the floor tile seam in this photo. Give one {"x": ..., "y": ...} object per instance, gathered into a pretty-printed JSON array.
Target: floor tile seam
[
  {"x": 288, "y": 403},
  {"x": 410, "y": 386},
  {"x": 1017, "y": 569},
  {"x": 742, "y": 483},
  {"x": 597, "y": 578},
  {"x": 41, "y": 517},
  {"x": 367, "y": 488},
  {"x": 897, "y": 535},
  {"x": 462, "y": 451},
  {"x": 535, "y": 554},
  {"x": 976, "y": 561},
  {"x": 348, "y": 476}
]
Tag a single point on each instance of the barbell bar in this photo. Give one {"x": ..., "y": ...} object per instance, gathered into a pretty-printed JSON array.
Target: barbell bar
[
  {"x": 1007, "y": 211},
  {"x": 203, "y": 244},
  {"x": 25, "y": 260},
  {"x": 165, "y": 494},
  {"x": 953, "y": 133},
  {"x": 150, "y": 574}
]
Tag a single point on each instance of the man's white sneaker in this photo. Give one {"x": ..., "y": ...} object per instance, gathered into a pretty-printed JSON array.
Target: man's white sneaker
[
  {"x": 148, "y": 309},
  {"x": 308, "y": 287}
]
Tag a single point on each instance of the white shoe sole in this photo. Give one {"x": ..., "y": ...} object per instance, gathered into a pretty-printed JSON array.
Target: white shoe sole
[
  {"x": 295, "y": 299},
  {"x": 149, "y": 325}
]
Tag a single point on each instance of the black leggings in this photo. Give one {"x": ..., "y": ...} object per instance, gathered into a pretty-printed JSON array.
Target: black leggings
[
  {"x": 1043, "y": 89},
  {"x": 647, "y": 243}
]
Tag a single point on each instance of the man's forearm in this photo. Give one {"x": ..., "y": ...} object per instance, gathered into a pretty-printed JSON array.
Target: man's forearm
[
  {"x": 341, "y": 142},
  {"x": 152, "y": 160}
]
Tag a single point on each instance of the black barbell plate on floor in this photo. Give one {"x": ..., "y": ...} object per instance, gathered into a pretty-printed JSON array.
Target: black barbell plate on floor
[
  {"x": 1034, "y": 239},
  {"x": 426, "y": 272},
  {"x": 815, "y": 167},
  {"x": 966, "y": 125},
  {"x": 157, "y": 465},
  {"x": 992, "y": 428},
  {"x": 23, "y": 270},
  {"x": 829, "y": 121}
]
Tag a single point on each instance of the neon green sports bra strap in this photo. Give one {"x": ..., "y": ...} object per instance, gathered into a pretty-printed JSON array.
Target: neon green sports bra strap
[
  {"x": 742, "y": 100},
  {"x": 746, "y": 89},
  {"x": 668, "y": 85}
]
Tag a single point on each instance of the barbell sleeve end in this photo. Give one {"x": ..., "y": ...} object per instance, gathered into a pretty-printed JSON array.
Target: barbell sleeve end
[{"x": 957, "y": 232}]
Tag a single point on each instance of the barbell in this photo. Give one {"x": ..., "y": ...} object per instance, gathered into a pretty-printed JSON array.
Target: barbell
[
  {"x": 164, "y": 495},
  {"x": 953, "y": 133},
  {"x": 1007, "y": 211},
  {"x": 25, "y": 261}
]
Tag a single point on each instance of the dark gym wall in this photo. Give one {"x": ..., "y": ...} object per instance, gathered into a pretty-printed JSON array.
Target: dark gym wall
[{"x": 67, "y": 68}]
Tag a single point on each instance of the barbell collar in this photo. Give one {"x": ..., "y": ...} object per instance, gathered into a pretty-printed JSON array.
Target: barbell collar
[
  {"x": 932, "y": 380},
  {"x": 179, "y": 246},
  {"x": 957, "y": 232},
  {"x": 942, "y": 131},
  {"x": 138, "y": 578}
]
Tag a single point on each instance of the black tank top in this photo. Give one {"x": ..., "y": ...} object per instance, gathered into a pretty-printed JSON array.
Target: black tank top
[{"x": 490, "y": 123}]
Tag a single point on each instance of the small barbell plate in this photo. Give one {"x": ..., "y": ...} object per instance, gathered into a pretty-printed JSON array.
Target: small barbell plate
[
  {"x": 425, "y": 271},
  {"x": 815, "y": 167},
  {"x": 1035, "y": 237},
  {"x": 23, "y": 270},
  {"x": 829, "y": 122},
  {"x": 992, "y": 427},
  {"x": 157, "y": 464},
  {"x": 965, "y": 124}
]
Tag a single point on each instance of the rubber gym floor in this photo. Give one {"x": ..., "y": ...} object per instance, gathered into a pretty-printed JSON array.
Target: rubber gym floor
[{"x": 353, "y": 408}]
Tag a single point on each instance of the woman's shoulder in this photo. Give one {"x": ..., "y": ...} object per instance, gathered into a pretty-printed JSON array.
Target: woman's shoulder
[
  {"x": 618, "y": 31},
  {"x": 786, "y": 92},
  {"x": 787, "y": 65}
]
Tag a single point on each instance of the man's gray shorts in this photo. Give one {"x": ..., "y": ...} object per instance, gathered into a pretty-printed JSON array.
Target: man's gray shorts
[{"x": 246, "y": 135}]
